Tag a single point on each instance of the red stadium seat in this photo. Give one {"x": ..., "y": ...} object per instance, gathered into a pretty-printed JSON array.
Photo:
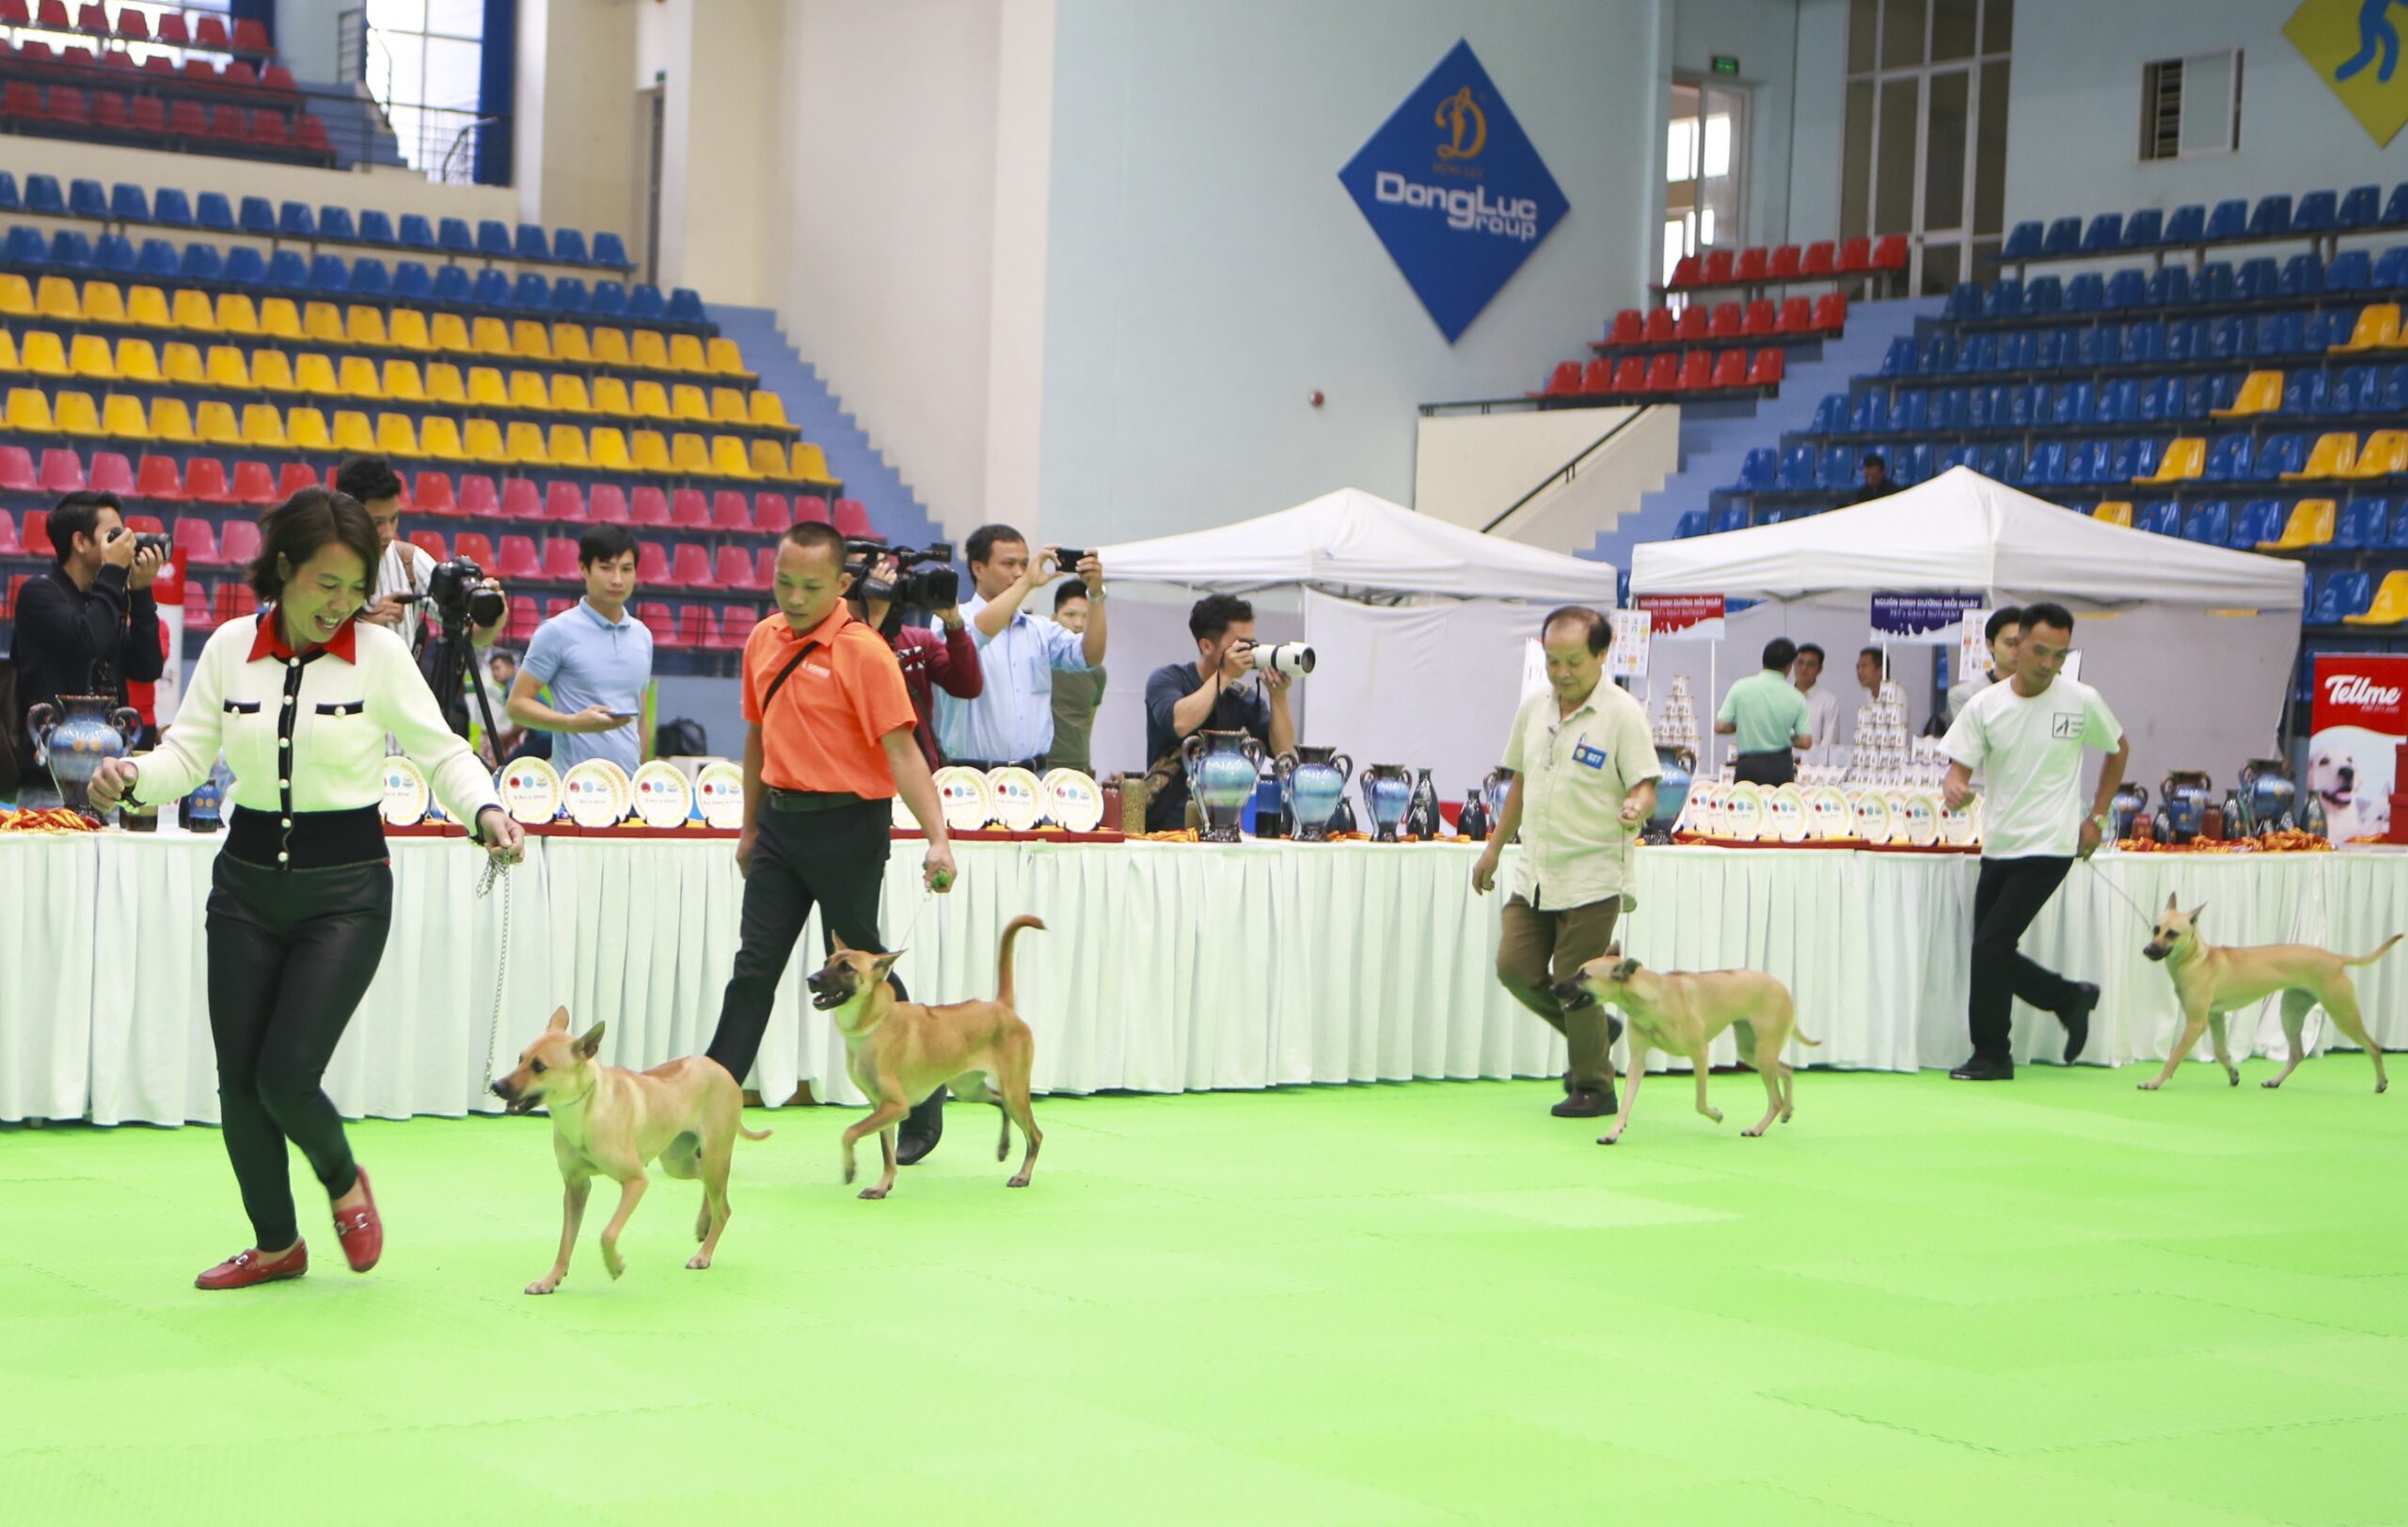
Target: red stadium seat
[
  {"x": 1730, "y": 369},
  {"x": 172, "y": 30},
  {"x": 432, "y": 495},
  {"x": 1856, "y": 254},
  {"x": 233, "y": 601},
  {"x": 132, "y": 24},
  {"x": 239, "y": 543},
  {"x": 609, "y": 504},
  {"x": 1784, "y": 263},
  {"x": 189, "y": 120},
  {"x": 150, "y": 115},
  {"x": 1831, "y": 311},
  {"x": 1759, "y": 320},
  {"x": 730, "y": 512},
  {"x": 735, "y": 625},
  {"x": 250, "y": 36},
  {"x": 1767, "y": 370},
  {"x": 564, "y": 502},
  {"x": 689, "y": 566},
  {"x": 204, "y": 481},
  {"x": 764, "y": 570},
  {"x": 523, "y": 619},
  {"x": 1597, "y": 377},
  {"x": 112, "y": 473},
  {"x": 67, "y": 105},
  {"x": 268, "y": 130},
  {"x": 689, "y": 509},
  {"x": 651, "y": 508},
  {"x": 1796, "y": 316},
  {"x": 652, "y": 564},
  {"x": 1820, "y": 259},
  {"x": 10, "y": 544},
  {"x": 811, "y": 508},
  {"x": 432, "y": 543},
  {"x": 62, "y": 471},
  {"x": 277, "y": 78},
  {"x": 1720, "y": 264},
  {"x": 52, "y": 16},
  {"x": 852, "y": 518},
  {"x": 239, "y": 74},
  {"x": 478, "y": 496},
  {"x": 1626, "y": 327},
  {"x": 109, "y": 111},
  {"x": 520, "y": 499},
  {"x": 519, "y": 560},
  {"x": 296, "y": 476},
  {"x": 474, "y": 545},
  {"x": 1658, "y": 328},
  {"x": 313, "y": 134},
  {"x": 560, "y": 560},
  {"x": 198, "y": 540},
  {"x": 1725, "y": 322},
  {"x": 1891, "y": 253},
  {"x": 736, "y": 570},
  {"x": 1697, "y": 370},
  {"x": 198, "y": 616},
  {"x": 1691, "y": 327},
  {"x": 1663, "y": 374},
  {"x": 1630, "y": 375},
  {"x": 1565, "y": 379},
  {"x": 661, "y": 624},
  {"x": 38, "y": 543},
  {"x": 17, "y": 470},
  {"x": 209, "y": 31},
  {"x": 772, "y": 514},
  {"x": 19, "y": 98},
  {"x": 1754, "y": 265},
  {"x": 1687, "y": 271}
]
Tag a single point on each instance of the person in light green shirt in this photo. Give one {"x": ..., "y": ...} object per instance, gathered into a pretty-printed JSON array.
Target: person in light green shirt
[
  {"x": 1768, "y": 719},
  {"x": 1075, "y": 694}
]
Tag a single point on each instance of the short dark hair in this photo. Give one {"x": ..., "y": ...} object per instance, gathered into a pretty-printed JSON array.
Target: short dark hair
[
  {"x": 78, "y": 513},
  {"x": 1814, "y": 647},
  {"x": 1780, "y": 652},
  {"x": 1070, "y": 589},
  {"x": 2046, "y": 613},
  {"x": 1999, "y": 621},
  {"x": 983, "y": 541},
  {"x": 367, "y": 479},
  {"x": 1596, "y": 627},
  {"x": 1875, "y": 458},
  {"x": 299, "y": 527},
  {"x": 604, "y": 543},
  {"x": 807, "y": 533},
  {"x": 1873, "y": 652},
  {"x": 1215, "y": 613}
]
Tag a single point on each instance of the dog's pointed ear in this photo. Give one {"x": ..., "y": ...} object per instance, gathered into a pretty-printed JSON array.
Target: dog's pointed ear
[
  {"x": 2196, "y": 911},
  {"x": 589, "y": 1042},
  {"x": 1624, "y": 970},
  {"x": 886, "y": 962},
  {"x": 2170, "y": 903},
  {"x": 836, "y": 942},
  {"x": 560, "y": 1022}
]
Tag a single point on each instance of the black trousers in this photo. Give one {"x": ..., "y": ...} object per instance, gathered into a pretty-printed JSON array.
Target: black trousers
[
  {"x": 2010, "y": 895},
  {"x": 1776, "y": 767},
  {"x": 835, "y": 859},
  {"x": 291, "y": 953}
]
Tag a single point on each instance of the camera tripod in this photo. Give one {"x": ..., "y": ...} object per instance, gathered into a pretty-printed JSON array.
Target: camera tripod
[{"x": 449, "y": 663}]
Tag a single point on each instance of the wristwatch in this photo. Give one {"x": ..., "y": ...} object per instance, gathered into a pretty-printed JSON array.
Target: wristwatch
[{"x": 1096, "y": 596}]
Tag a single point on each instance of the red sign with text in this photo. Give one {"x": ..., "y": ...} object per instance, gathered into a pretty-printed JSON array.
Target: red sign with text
[
  {"x": 1697, "y": 616},
  {"x": 2356, "y": 722}
]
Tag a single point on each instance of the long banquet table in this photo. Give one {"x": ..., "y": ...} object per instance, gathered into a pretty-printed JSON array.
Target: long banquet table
[{"x": 1165, "y": 968}]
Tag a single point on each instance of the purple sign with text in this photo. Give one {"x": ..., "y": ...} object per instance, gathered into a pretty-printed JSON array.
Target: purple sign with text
[{"x": 1921, "y": 617}]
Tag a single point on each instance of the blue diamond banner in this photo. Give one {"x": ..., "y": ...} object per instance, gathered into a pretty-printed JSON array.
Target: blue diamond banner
[{"x": 1455, "y": 190}]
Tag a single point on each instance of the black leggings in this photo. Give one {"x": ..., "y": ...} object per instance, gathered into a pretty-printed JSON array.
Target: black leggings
[
  {"x": 291, "y": 953},
  {"x": 2010, "y": 895}
]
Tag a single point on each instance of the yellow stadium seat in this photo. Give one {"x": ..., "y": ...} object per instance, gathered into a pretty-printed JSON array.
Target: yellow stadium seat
[
  {"x": 438, "y": 439},
  {"x": 365, "y": 328},
  {"x": 530, "y": 340},
  {"x": 2390, "y": 606},
  {"x": 566, "y": 445},
  {"x": 811, "y": 464},
  {"x": 768, "y": 459},
  {"x": 569, "y": 345},
  {"x": 122, "y": 417},
  {"x": 136, "y": 361},
  {"x": 171, "y": 422},
  {"x": 729, "y": 458},
  {"x": 481, "y": 439},
  {"x": 55, "y": 297},
  {"x": 768, "y": 409},
  {"x": 686, "y": 401},
  {"x": 8, "y": 360},
  {"x": 727, "y": 407},
  {"x": 610, "y": 347},
  {"x": 279, "y": 319},
  {"x": 2384, "y": 454},
  {"x": 396, "y": 435},
  {"x": 304, "y": 429},
  {"x": 608, "y": 451},
  {"x": 2377, "y": 329},
  {"x": 689, "y": 453},
  {"x": 401, "y": 382},
  {"x": 726, "y": 360},
  {"x": 451, "y": 334},
  {"x": 44, "y": 354},
  {"x": 648, "y": 350},
  {"x": 486, "y": 389},
  {"x": 219, "y": 424},
  {"x": 527, "y": 390},
  {"x": 651, "y": 401},
  {"x": 29, "y": 411},
  {"x": 193, "y": 312},
  {"x": 2310, "y": 524},
  {"x": 611, "y": 397},
  {"x": 263, "y": 426},
  {"x": 650, "y": 449},
  {"x": 322, "y": 321},
  {"x": 568, "y": 395},
  {"x": 443, "y": 384},
  {"x": 524, "y": 440},
  {"x": 228, "y": 369},
  {"x": 90, "y": 356},
  {"x": 2115, "y": 512},
  {"x": 686, "y": 353},
  {"x": 146, "y": 306},
  {"x": 16, "y": 296},
  {"x": 353, "y": 434},
  {"x": 2261, "y": 392},
  {"x": 408, "y": 327},
  {"x": 356, "y": 377},
  {"x": 75, "y": 413},
  {"x": 315, "y": 374},
  {"x": 2331, "y": 456},
  {"x": 180, "y": 364},
  {"x": 272, "y": 371},
  {"x": 236, "y": 316},
  {"x": 490, "y": 336},
  {"x": 2185, "y": 458},
  {"x": 104, "y": 303}
]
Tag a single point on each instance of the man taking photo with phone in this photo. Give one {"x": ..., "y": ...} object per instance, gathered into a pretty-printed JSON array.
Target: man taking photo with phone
[
  {"x": 595, "y": 657},
  {"x": 1011, "y": 721}
]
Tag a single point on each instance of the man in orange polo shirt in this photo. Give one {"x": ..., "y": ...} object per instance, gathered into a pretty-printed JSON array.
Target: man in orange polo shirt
[{"x": 830, "y": 746}]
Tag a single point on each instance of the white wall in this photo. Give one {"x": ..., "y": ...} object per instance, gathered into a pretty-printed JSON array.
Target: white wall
[
  {"x": 572, "y": 143},
  {"x": 306, "y": 32},
  {"x": 1764, "y": 35},
  {"x": 1821, "y": 99}
]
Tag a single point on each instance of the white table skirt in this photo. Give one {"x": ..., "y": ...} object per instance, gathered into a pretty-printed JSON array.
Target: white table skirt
[{"x": 1165, "y": 967}]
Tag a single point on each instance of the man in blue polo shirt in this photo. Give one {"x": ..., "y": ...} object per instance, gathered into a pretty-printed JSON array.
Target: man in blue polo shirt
[
  {"x": 1011, "y": 721},
  {"x": 595, "y": 657}
]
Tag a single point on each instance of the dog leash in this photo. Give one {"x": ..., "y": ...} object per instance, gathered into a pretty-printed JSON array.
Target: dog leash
[
  {"x": 496, "y": 873},
  {"x": 903, "y": 940},
  {"x": 2092, "y": 863}
]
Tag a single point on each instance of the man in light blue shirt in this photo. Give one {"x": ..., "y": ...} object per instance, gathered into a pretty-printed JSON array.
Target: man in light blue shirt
[
  {"x": 1011, "y": 721},
  {"x": 595, "y": 657}
]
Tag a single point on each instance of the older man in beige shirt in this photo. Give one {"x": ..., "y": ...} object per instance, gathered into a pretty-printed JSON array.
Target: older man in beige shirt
[{"x": 1584, "y": 782}]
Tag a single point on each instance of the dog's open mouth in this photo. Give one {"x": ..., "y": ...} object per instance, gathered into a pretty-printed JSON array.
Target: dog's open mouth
[
  {"x": 823, "y": 1001},
  {"x": 520, "y": 1104}
]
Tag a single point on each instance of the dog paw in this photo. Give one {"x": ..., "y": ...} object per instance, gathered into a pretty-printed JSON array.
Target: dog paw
[
  {"x": 873, "y": 1192},
  {"x": 615, "y": 1264},
  {"x": 698, "y": 1263},
  {"x": 1715, "y": 1114},
  {"x": 849, "y": 1172},
  {"x": 1017, "y": 1182},
  {"x": 543, "y": 1285},
  {"x": 2152, "y": 1086},
  {"x": 2232, "y": 1078},
  {"x": 1614, "y": 1138},
  {"x": 2272, "y": 1082},
  {"x": 1751, "y": 1133}
]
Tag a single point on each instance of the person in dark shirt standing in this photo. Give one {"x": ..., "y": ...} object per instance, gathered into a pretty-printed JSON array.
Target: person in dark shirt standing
[
  {"x": 1876, "y": 484},
  {"x": 1211, "y": 695},
  {"x": 86, "y": 626}
]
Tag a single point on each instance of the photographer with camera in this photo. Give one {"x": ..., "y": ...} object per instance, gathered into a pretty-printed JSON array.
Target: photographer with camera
[
  {"x": 406, "y": 574},
  {"x": 1012, "y": 719},
  {"x": 596, "y": 658},
  {"x": 886, "y": 581},
  {"x": 88, "y": 626},
  {"x": 1211, "y": 695}
]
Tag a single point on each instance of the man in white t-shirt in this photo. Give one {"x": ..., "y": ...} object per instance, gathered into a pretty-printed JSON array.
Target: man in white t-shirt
[
  {"x": 2026, "y": 735},
  {"x": 1822, "y": 707}
]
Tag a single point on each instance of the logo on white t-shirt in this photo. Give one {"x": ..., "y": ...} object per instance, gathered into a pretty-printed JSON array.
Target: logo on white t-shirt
[{"x": 2065, "y": 724}]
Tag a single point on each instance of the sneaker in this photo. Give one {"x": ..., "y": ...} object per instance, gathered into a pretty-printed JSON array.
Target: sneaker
[
  {"x": 1982, "y": 1070},
  {"x": 2077, "y": 1018}
]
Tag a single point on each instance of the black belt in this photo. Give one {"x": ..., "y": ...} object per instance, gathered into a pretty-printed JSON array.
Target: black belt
[
  {"x": 812, "y": 799},
  {"x": 1034, "y": 766},
  {"x": 306, "y": 839}
]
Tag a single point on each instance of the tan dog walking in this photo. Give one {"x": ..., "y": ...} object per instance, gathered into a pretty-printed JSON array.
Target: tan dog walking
[
  {"x": 609, "y": 1121},
  {"x": 899, "y": 1053},
  {"x": 1680, "y": 1013},
  {"x": 2210, "y": 983}
]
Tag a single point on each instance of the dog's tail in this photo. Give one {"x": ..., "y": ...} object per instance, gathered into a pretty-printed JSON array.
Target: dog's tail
[
  {"x": 2380, "y": 950},
  {"x": 753, "y": 1133},
  {"x": 1799, "y": 1035},
  {"x": 1004, "y": 959}
]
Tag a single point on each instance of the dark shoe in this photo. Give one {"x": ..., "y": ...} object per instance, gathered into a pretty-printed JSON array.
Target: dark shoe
[
  {"x": 361, "y": 1230},
  {"x": 1981, "y": 1069},
  {"x": 2077, "y": 1018},
  {"x": 245, "y": 1268},
  {"x": 1586, "y": 1103},
  {"x": 920, "y": 1129}
]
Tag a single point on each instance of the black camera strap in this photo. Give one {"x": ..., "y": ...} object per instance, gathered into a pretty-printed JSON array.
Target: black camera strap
[{"x": 787, "y": 672}]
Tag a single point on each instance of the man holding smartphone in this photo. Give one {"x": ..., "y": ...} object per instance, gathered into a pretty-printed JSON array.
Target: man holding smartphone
[
  {"x": 1011, "y": 721},
  {"x": 86, "y": 626},
  {"x": 597, "y": 659}
]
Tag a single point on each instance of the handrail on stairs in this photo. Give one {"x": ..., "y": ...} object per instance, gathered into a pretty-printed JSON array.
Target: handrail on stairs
[{"x": 1571, "y": 468}]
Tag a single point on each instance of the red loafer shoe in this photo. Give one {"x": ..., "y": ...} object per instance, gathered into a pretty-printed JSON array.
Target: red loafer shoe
[
  {"x": 360, "y": 1231},
  {"x": 245, "y": 1268}
]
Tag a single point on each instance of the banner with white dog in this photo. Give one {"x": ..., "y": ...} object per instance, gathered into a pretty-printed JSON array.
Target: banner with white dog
[{"x": 2355, "y": 726}]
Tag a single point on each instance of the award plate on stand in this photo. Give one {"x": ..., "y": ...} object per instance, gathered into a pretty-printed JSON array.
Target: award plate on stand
[
  {"x": 406, "y": 794},
  {"x": 1072, "y": 801},
  {"x": 1018, "y": 800},
  {"x": 530, "y": 791},
  {"x": 968, "y": 801},
  {"x": 662, "y": 796},
  {"x": 597, "y": 793},
  {"x": 719, "y": 786}
]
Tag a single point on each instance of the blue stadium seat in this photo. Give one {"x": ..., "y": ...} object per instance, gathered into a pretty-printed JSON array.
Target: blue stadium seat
[
  {"x": 71, "y": 249},
  {"x": 2280, "y": 334},
  {"x": 2100, "y": 346},
  {"x": 1831, "y": 415},
  {"x": 2043, "y": 294},
  {"x": 2279, "y": 453},
  {"x": 2184, "y": 339},
  {"x": 1978, "y": 354},
  {"x": 2396, "y": 538},
  {"x": 335, "y": 223},
  {"x": 2273, "y": 217},
  {"x": 2138, "y": 458},
  {"x": 2394, "y": 390},
  {"x": 2032, "y": 350},
  {"x": 2260, "y": 519},
  {"x": 529, "y": 242},
  {"x": 369, "y": 277},
  {"x": 645, "y": 303},
  {"x": 2212, "y": 283},
  {"x": 2303, "y": 277},
  {"x": 2228, "y": 220},
  {"x": 2339, "y": 595},
  {"x": 127, "y": 203},
  {"x": 257, "y": 215},
  {"x": 2260, "y": 279},
  {"x": 376, "y": 227},
  {"x": 2005, "y": 299},
  {"x": 1782, "y": 515},
  {"x": 2092, "y": 461},
  {"x": 2144, "y": 228},
  {"x": 214, "y": 212},
  {"x": 2064, "y": 237},
  {"x": 1729, "y": 519},
  {"x": 1986, "y": 408},
  {"x": 2170, "y": 287},
  {"x": 530, "y": 292},
  {"x": 2160, "y": 516},
  {"x": 113, "y": 252},
  {"x": 2303, "y": 392},
  {"x": 1936, "y": 354},
  {"x": 2119, "y": 402},
  {"x": 568, "y": 247},
  {"x": 2354, "y": 389},
  {"x": 2229, "y": 458},
  {"x": 1838, "y": 471},
  {"x": 1912, "y": 464},
  {"x": 1964, "y": 301},
  {"x": 2197, "y": 397},
  {"x": 453, "y": 287},
  {"x": 568, "y": 295},
  {"x": 1759, "y": 470},
  {"x": 297, "y": 220},
  {"x": 1912, "y": 413},
  {"x": 2187, "y": 224},
  {"x": 2018, "y": 407},
  {"x": 2361, "y": 207},
  {"x": 2104, "y": 235},
  {"x": 43, "y": 195},
  {"x": 87, "y": 198},
  {"x": 2395, "y": 209},
  {"x": 493, "y": 238},
  {"x": 2315, "y": 213},
  {"x": 2151, "y": 407},
  {"x": 1950, "y": 407},
  {"x": 1692, "y": 524},
  {"x": 417, "y": 232},
  {"x": 1870, "y": 414},
  {"x": 2024, "y": 241},
  {"x": 1798, "y": 470},
  {"x": 2222, "y": 389},
  {"x": 2352, "y": 270},
  {"x": 609, "y": 249},
  {"x": 686, "y": 306},
  {"x": 2087, "y": 293},
  {"x": 493, "y": 289},
  {"x": 2144, "y": 342},
  {"x": 1961, "y": 456},
  {"x": 169, "y": 207},
  {"x": 2359, "y": 525},
  {"x": 412, "y": 281},
  {"x": 2072, "y": 403},
  {"x": 1898, "y": 361},
  {"x": 2127, "y": 289},
  {"x": 207, "y": 263},
  {"x": 9, "y": 199},
  {"x": 2209, "y": 523},
  {"x": 2325, "y": 330},
  {"x": 288, "y": 270},
  {"x": 27, "y": 248},
  {"x": 453, "y": 237},
  {"x": 2391, "y": 270},
  {"x": 245, "y": 266},
  {"x": 609, "y": 300},
  {"x": 2222, "y": 339},
  {"x": 158, "y": 260},
  {"x": 2045, "y": 467},
  {"x": 329, "y": 274}
]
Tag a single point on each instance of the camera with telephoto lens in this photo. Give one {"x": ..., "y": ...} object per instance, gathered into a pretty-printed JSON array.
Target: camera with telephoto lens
[
  {"x": 923, "y": 580},
  {"x": 1294, "y": 658},
  {"x": 152, "y": 541},
  {"x": 457, "y": 591}
]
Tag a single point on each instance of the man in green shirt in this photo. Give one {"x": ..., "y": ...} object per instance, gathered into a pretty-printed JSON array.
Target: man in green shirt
[
  {"x": 1075, "y": 694},
  {"x": 1767, "y": 718}
]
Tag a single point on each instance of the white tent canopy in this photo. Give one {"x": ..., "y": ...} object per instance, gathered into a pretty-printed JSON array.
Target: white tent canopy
[{"x": 1962, "y": 531}]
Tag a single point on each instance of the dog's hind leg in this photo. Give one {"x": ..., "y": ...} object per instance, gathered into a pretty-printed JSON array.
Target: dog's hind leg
[
  {"x": 2295, "y": 1010},
  {"x": 1011, "y": 1078},
  {"x": 1765, "y": 1056},
  {"x": 1699, "y": 1069},
  {"x": 630, "y": 1194},
  {"x": 2342, "y": 1003},
  {"x": 712, "y": 1223},
  {"x": 2220, "y": 1035}
]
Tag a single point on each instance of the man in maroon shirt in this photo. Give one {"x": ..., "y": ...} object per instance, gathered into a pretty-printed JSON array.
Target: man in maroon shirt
[{"x": 928, "y": 658}]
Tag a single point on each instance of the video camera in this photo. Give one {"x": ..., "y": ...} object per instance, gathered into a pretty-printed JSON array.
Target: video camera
[
  {"x": 924, "y": 577},
  {"x": 456, "y": 590}
]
